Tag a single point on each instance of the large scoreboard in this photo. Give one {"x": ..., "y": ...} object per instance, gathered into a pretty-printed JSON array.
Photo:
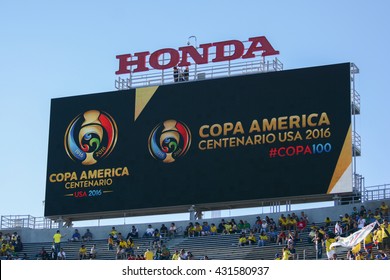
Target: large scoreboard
[{"x": 206, "y": 143}]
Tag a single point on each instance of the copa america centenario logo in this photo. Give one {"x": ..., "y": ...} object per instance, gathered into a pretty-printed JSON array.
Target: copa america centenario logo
[
  {"x": 90, "y": 136},
  {"x": 169, "y": 140}
]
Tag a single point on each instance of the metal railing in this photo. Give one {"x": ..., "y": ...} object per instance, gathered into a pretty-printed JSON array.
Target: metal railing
[
  {"x": 378, "y": 192},
  {"x": 373, "y": 193},
  {"x": 356, "y": 144},
  {"x": 26, "y": 221},
  {"x": 355, "y": 97}
]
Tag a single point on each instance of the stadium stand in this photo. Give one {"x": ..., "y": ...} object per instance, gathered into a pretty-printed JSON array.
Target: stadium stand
[{"x": 220, "y": 246}]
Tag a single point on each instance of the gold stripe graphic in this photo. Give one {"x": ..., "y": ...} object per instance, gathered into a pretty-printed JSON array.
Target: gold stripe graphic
[
  {"x": 344, "y": 161},
  {"x": 142, "y": 97}
]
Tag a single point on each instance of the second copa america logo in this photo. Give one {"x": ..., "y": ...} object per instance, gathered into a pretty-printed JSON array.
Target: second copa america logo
[{"x": 169, "y": 140}]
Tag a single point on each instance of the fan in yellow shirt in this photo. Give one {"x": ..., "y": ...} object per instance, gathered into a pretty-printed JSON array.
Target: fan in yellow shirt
[
  {"x": 148, "y": 255},
  {"x": 176, "y": 255},
  {"x": 82, "y": 252},
  {"x": 286, "y": 253}
]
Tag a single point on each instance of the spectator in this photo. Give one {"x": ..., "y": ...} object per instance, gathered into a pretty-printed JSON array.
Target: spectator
[
  {"x": 221, "y": 226},
  {"x": 110, "y": 242},
  {"x": 130, "y": 246},
  {"x": 165, "y": 253},
  {"x": 163, "y": 231},
  {"x": 363, "y": 211},
  {"x": 189, "y": 231},
  {"x": 14, "y": 238},
  {"x": 361, "y": 222},
  {"x": 197, "y": 229},
  {"x": 176, "y": 255},
  {"x": 263, "y": 238},
  {"x": 183, "y": 255},
  {"x": 301, "y": 225},
  {"x": 156, "y": 238},
  {"x": 247, "y": 226},
  {"x": 257, "y": 224},
  {"x": 283, "y": 223},
  {"x": 291, "y": 237},
  {"x": 354, "y": 212},
  {"x": 281, "y": 239},
  {"x": 251, "y": 239},
  {"x": 286, "y": 253},
  {"x": 76, "y": 236},
  {"x": 157, "y": 253},
  {"x": 369, "y": 242},
  {"x": 384, "y": 256},
  {"x": 378, "y": 215},
  {"x": 120, "y": 253},
  {"x": 206, "y": 229},
  {"x": 385, "y": 228},
  {"x": 271, "y": 224},
  {"x": 240, "y": 226},
  {"x": 57, "y": 241},
  {"x": 149, "y": 231},
  {"x": 305, "y": 217},
  {"x": 82, "y": 252},
  {"x": 370, "y": 219},
  {"x": 369, "y": 255},
  {"x": 61, "y": 254},
  {"x": 291, "y": 223},
  {"x": 384, "y": 209},
  {"x": 312, "y": 234},
  {"x": 53, "y": 254},
  {"x": 346, "y": 222},
  {"x": 18, "y": 244},
  {"x": 359, "y": 256},
  {"x": 133, "y": 232},
  {"x": 213, "y": 229},
  {"x": 264, "y": 225},
  {"x": 190, "y": 256},
  {"x": 293, "y": 252},
  {"x": 93, "y": 252},
  {"x": 272, "y": 234},
  {"x": 123, "y": 244},
  {"x": 318, "y": 239},
  {"x": 120, "y": 237},
  {"x": 42, "y": 255},
  {"x": 338, "y": 229},
  {"x": 328, "y": 241},
  {"x": 114, "y": 233},
  {"x": 234, "y": 226},
  {"x": 3, "y": 250},
  {"x": 242, "y": 241},
  {"x": 295, "y": 217},
  {"x": 172, "y": 230},
  {"x": 87, "y": 236}
]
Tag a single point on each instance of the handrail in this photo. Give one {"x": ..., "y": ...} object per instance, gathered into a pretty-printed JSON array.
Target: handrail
[{"x": 373, "y": 193}]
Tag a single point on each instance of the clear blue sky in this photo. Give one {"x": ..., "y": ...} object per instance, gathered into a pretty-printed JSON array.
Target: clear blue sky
[{"x": 53, "y": 49}]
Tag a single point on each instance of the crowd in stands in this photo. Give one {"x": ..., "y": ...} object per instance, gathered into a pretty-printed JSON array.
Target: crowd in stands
[
  {"x": 348, "y": 223},
  {"x": 11, "y": 246},
  {"x": 284, "y": 233},
  {"x": 57, "y": 252}
]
